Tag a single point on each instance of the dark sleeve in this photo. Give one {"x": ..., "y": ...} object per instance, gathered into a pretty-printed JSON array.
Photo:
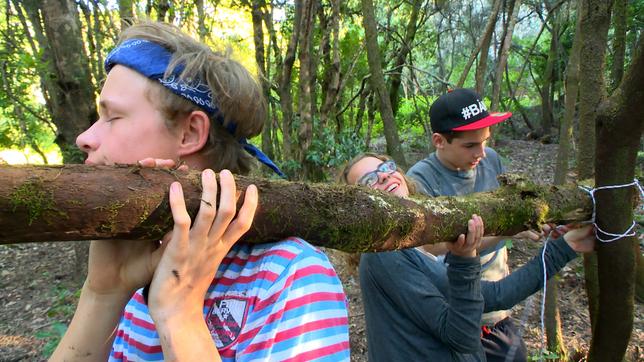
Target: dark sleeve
[
  {"x": 528, "y": 279},
  {"x": 452, "y": 317}
]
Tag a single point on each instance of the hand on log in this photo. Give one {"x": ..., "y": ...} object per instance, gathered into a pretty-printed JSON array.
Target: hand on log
[{"x": 80, "y": 202}]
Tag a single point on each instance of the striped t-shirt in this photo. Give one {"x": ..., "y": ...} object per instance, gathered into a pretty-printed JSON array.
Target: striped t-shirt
[{"x": 268, "y": 302}]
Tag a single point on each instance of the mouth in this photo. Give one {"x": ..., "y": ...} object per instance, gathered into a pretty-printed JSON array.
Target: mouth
[{"x": 393, "y": 187}]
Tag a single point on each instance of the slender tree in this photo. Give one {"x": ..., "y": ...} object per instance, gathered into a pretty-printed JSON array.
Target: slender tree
[
  {"x": 126, "y": 12},
  {"x": 503, "y": 54},
  {"x": 595, "y": 20},
  {"x": 483, "y": 45},
  {"x": 401, "y": 53},
  {"x": 619, "y": 42},
  {"x": 553, "y": 318},
  {"x": 549, "y": 77},
  {"x": 306, "y": 101},
  {"x": 615, "y": 165},
  {"x": 378, "y": 83}
]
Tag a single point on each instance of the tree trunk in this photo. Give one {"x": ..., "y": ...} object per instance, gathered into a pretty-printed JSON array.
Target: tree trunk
[
  {"x": 126, "y": 13},
  {"x": 572, "y": 90},
  {"x": 595, "y": 19},
  {"x": 306, "y": 101},
  {"x": 484, "y": 42},
  {"x": 547, "y": 88},
  {"x": 71, "y": 96},
  {"x": 378, "y": 85},
  {"x": 619, "y": 42},
  {"x": 201, "y": 20},
  {"x": 331, "y": 83},
  {"x": 503, "y": 55},
  {"x": 481, "y": 67},
  {"x": 286, "y": 98},
  {"x": 401, "y": 54},
  {"x": 553, "y": 320},
  {"x": 615, "y": 165},
  {"x": 594, "y": 27},
  {"x": 257, "y": 15},
  {"x": 69, "y": 86},
  {"x": 78, "y": 202},
  {"x": 162, "y": 7}
]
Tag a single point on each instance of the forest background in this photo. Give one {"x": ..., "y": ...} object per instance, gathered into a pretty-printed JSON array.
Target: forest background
[{"x": 341, "y": 77}]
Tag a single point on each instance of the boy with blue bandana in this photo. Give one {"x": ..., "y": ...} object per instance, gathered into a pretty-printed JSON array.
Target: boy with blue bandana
[{"x": 170, "y": 100}]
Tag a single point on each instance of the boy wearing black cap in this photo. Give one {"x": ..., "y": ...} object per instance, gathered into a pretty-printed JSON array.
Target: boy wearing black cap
[{"x": 462, "y": 164}]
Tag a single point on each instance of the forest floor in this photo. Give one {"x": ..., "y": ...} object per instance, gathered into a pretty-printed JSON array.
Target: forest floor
[{"x": 38, "y": 292}]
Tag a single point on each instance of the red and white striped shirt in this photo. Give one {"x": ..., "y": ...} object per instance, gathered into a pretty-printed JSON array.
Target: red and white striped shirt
[{"x": 279, "y": 301}]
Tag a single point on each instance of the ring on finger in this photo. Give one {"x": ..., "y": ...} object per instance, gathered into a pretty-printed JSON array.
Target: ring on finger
[{"x": 206, "y": 202}]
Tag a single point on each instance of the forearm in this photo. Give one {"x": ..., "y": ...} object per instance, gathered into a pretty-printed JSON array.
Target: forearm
[
  {"x": 488, "y": 242},
  {"x": 461, "y": 328},
  {"x": 186, "y": 338},
  {"x": 92, "y": 330},
  {"x": 528, "y": 279}
]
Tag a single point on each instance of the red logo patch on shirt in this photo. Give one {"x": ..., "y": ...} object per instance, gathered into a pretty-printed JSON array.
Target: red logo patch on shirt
[{"x": 226, "y": 319}]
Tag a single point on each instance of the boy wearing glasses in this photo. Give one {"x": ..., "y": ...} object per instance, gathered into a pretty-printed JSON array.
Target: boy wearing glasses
[{"x": 461, "y": 165}]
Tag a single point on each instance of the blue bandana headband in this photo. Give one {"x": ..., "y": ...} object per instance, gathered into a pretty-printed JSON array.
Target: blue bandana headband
[{"x": 152, "y": 60}]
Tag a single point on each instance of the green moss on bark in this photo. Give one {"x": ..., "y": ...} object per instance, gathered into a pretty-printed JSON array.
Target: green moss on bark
[{"x": 34, "y": 197}]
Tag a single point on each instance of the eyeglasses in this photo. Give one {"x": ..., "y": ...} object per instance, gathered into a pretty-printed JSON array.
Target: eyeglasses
[{"x": 371, "y": 178}]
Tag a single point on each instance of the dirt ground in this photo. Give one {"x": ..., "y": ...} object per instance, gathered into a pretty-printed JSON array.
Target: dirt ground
[{"x": 38, "y": 292}]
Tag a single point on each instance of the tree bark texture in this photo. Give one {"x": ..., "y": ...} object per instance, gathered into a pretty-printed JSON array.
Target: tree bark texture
[
  {"x": 619, "y": 118},
  {"x": 285, "y": 81},
  {"x": 126, "y": 13},
  {"x": 306, "y": 102},
  {"x": 503, "y": 55},
  {"x": 572, "y": 90},
  {"x": 481, "y": 68},
  {"x": 553, "y": 318},
  {"x": 619, "y": 42},
  {"x": 405, "y": 48},
  {"x": 549, "y": 78},
  {"x": 79, "y": 202},
  {"x": 595, "y": 20},
  {"x": 554, "y": 336},
  {"x": 72, "y": 103},
  {"x": 484, "y": 43},
  {"x": 377, "y": 79}
]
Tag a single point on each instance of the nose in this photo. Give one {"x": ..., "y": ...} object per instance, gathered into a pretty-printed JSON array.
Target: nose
[
  {"x": 480, "y": 151},
  {"x": 87, "y": 141},
  {"x": 382, "y": 177}
]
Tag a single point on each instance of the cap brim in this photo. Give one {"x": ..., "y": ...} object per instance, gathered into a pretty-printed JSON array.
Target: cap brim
[{"x": 490, "y": 120}]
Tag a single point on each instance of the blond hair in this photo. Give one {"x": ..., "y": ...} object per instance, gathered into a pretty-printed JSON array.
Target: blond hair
[{"x": 235, "y": 91}]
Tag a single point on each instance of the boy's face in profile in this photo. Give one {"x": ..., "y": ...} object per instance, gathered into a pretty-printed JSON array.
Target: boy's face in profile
[
  {"x": 466, "y": 150},
  {"x": 130, "y": 127}
]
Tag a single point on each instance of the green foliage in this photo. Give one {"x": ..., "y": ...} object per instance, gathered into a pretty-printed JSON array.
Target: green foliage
[
  {"x": 543, "y": 355},
  {"x": 63, "y": 306},
  {"x": 332, "y": 150},
  {"x": 52, "y": 335},
  {"x": 21, "y": 109}
]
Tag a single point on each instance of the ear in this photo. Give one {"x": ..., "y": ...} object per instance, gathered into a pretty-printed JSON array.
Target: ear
[
  {"x": 438, "y": 140},
  {"x": 194, "y": 129}
]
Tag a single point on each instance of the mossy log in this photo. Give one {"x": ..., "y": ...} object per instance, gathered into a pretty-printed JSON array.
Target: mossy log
[{"x": 78, "y": 202}]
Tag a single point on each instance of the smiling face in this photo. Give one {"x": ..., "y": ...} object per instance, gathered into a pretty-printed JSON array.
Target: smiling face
[
  {"x": 465, "y": 151},
  {"x": 393, "y": 183},
  {"x": 130, "y": 127}
]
